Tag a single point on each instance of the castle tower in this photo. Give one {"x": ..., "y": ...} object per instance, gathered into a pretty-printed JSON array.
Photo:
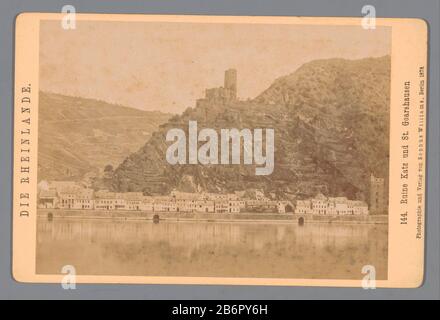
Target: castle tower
[
  {"x": 377, "y": 195},
  {"x": 231, "y": 82}
]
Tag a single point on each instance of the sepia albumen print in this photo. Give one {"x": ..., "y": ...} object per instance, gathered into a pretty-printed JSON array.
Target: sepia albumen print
[{"x": 152, "y": 134}]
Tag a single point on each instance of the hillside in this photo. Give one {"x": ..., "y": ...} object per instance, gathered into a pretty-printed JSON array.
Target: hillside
[
  {"x": 331, "y": 121},
  {"x": 79, "y": 137}
]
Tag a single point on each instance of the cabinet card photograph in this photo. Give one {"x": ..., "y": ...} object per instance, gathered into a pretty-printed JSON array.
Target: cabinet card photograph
[{"x": 154, "y": 149}]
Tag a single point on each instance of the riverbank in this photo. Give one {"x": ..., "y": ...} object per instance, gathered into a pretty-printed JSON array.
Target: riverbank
[{"x": 209, "y": 217}]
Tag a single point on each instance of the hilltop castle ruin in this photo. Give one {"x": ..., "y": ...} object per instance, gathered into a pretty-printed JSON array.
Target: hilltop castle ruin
[{"x": 224, "y": 94}]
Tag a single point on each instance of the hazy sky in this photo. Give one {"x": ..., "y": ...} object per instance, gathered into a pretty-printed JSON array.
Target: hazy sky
[{"x": 167, "y": 66}]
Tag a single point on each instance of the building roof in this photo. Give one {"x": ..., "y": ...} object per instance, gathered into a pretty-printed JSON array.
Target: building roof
[
  {"x": 85, "y": 193},
  {"x": 133, "y": 196},
  {"x": 185, "y": 195},
  {"x": 104, "y": 194},
  {"x": 48, "y": 193},
  {"x": 69, "y": 190},
  {"x": 320, "y": 196}
]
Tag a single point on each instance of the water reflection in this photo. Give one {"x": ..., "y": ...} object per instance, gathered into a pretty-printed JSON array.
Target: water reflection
[{"x": 105, "y": 247}]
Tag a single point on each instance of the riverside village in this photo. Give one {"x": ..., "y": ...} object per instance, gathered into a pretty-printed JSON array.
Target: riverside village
[{"x": 77, "y": 197}]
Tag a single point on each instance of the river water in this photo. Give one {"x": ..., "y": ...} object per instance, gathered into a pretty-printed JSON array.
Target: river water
[{"x": 224, "y": 249}]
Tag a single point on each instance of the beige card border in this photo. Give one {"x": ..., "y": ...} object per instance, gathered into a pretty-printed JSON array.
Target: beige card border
[{"x": 405, "y": 250}]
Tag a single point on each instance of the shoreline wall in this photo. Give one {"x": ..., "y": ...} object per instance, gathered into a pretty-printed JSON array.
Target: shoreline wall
[{"x": 210, "y": 217}]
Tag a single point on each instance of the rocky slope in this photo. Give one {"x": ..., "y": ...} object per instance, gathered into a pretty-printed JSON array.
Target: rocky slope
[
  {"x": 331, "y": 121},
  {"x": 80, "y": 136}
]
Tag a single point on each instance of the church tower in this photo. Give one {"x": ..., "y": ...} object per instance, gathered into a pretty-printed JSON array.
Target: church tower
[{"x": 377, "y": 195}]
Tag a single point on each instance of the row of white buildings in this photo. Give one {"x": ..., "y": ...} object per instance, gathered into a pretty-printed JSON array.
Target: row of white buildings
[
  {"x": 69, "y": 195},
  {"x": 335, "y": 206}
]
